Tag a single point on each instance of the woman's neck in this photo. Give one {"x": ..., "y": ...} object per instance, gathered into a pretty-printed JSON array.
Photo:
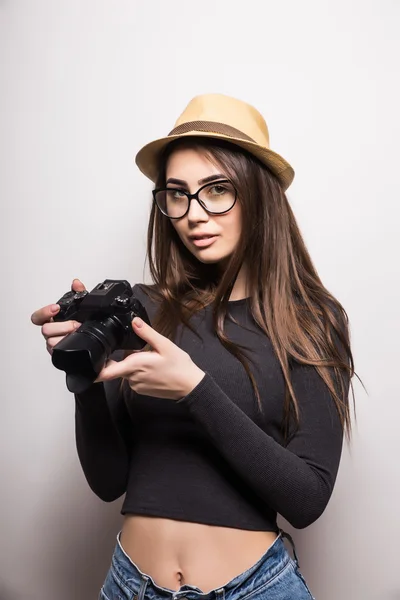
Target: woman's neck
[{"x": 239, "y": 290}]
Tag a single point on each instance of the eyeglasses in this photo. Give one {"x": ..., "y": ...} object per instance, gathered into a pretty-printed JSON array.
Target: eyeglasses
[{"x": 216, "y": 198}]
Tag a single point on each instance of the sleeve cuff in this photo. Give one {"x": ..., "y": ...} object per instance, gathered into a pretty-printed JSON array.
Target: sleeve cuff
[{"x": 197, "y": 392}]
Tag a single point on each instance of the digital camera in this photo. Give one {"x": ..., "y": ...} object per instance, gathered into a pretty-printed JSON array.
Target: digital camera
[{"x": 106, "y": 314}]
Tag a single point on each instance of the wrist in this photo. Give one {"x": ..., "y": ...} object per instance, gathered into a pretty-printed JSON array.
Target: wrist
[{"x": 191, "y": 381}]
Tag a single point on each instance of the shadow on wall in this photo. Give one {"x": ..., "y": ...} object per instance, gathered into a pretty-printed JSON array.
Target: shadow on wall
[
  {"x": 68, "y": 540},
  {"x": 81, "y": 536},
  {"x": 6, "y": 594}
]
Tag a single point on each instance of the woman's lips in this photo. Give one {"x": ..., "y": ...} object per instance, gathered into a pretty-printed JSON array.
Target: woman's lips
[{"x": 203, "y": 242}]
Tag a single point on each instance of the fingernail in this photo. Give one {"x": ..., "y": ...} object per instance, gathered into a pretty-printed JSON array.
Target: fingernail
[
  {"x": 138, "y": 322},
  {"x": 54, "y": 308}
]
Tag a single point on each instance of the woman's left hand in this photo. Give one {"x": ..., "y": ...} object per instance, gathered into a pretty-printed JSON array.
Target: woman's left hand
[{"x": 166, "y": 371}]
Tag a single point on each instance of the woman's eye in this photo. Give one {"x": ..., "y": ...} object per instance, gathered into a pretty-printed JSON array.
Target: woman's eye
[
  {"x": 217, "y": 190},
  {"x": 178, "y": 194}
]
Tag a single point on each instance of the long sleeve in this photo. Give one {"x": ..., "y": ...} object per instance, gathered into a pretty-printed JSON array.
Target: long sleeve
[
  {"x": 103, "y": 431},
  {"x": 296, "y": 480},
  {"x": 102, "y": 444}
]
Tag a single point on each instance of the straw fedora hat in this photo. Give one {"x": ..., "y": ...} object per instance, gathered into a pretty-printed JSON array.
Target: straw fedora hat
[{"x": 222, "y": 117}]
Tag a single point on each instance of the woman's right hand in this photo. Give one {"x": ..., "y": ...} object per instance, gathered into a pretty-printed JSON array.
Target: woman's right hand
[{"x": 54, "y": 332}]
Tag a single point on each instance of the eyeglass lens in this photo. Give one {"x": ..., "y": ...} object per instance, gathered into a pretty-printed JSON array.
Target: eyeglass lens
[{"x": 216, "y": 197}]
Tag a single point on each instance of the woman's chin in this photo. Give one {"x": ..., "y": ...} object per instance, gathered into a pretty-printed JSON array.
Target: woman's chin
[{"x": 211, "y": 259}]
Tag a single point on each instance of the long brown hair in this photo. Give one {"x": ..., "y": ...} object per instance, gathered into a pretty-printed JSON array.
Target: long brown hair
[{"x": 288, "y": 301}]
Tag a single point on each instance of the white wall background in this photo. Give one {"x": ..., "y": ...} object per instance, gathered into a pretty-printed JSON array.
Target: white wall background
[{"x": 84, "y": 84}]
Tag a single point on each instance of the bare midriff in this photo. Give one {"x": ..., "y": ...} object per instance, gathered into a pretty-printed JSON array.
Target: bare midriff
[{"x": 175, "y": 553}]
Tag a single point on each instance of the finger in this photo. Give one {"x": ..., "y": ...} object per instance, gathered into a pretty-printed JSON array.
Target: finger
[
  {"x": 63, "y": 328},
  {"x": 158, "y": 342},
  {"x": 103, "y": 375},
  {"x": 45, "y": 314},
  {"x": 123, "y": 368},
  {"x": 53, "y": 342},
  {"x": 77, "y": 286}
]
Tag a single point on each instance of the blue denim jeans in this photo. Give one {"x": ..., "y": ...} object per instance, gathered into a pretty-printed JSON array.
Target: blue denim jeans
[{"x": 276, "y": 576}]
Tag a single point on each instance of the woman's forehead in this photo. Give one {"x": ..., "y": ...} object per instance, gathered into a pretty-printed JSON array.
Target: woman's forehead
[{"x": 192, "y": 161}]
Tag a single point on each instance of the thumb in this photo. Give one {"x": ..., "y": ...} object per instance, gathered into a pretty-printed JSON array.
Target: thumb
[
  {"x": 157, "y": 341},
  {"x": 77, "y": 286}
]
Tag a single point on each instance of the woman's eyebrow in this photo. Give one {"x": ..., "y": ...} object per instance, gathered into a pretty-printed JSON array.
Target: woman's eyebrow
[{"x": 200, "y": 182}]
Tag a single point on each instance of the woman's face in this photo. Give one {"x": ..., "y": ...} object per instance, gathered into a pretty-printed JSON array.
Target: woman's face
[{"x": 190, "y": 167}]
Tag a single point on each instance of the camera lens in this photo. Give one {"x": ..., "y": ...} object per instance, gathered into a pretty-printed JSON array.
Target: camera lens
[{"x": 83, "y": 353}]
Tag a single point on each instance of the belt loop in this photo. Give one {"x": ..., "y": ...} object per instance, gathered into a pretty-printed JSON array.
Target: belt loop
[
  {"x": 220, "y": 594},
  {"x": 142, "y": 589},
  {"x": 289, "y": 537}
]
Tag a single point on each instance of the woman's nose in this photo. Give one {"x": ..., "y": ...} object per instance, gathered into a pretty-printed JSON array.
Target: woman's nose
[{"x": 196, "y": 211}]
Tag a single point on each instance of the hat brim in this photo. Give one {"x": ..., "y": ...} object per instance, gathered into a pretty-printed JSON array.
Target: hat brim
[{"x": 147, "y": 159}]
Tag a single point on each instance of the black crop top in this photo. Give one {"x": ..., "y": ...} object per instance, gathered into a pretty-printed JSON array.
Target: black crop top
[{"x": 212, "y": 457}]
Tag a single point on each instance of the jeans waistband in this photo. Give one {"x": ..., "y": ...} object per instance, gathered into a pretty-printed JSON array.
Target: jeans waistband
[{"x": 136, "y": 582}]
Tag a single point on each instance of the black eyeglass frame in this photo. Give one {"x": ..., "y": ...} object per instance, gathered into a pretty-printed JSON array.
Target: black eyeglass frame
[{"x": 195, "y": 196}]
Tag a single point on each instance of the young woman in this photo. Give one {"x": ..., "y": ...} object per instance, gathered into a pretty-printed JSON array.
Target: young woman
[{"x": 236, "y": 409}]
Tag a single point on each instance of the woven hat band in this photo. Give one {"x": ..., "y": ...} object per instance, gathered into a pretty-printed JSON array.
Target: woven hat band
[{"x": 210, "y": 127}]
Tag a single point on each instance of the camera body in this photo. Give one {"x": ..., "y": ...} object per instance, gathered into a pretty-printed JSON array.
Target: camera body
[{"x": 106, "y": 314}]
